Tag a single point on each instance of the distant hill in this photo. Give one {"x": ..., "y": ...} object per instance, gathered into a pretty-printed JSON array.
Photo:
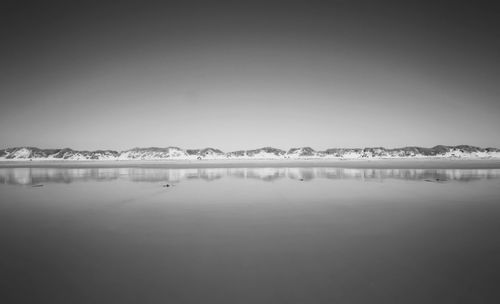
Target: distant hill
[{"x": 176, "y": 153}]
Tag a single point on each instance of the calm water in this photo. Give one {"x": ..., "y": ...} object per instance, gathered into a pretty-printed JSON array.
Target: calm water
[{"x": 249, "y": 235}]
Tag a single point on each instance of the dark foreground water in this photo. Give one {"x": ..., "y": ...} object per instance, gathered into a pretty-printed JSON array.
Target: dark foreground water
[{"x": 236, "y": 235}]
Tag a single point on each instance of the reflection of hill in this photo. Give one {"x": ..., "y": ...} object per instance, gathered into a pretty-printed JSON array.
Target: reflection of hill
[
  {"x": 29, "y": 176},
  {"x": 265, "y": 174}
]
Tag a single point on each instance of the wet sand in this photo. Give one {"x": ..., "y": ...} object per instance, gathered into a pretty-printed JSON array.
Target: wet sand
[{"x": 375, "y": 163}]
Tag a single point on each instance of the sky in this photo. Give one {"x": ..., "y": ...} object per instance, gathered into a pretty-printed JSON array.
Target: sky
[{"x": 248, "y": 74}]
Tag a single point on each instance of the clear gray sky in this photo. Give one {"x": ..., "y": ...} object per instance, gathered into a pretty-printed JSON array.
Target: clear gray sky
[{"x": 240, "y": 75}]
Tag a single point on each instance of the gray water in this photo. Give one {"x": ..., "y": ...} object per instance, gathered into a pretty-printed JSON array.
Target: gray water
[{"x": 249, "y": 235}]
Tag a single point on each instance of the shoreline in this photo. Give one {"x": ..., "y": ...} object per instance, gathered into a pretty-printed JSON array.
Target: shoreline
[{"x": 182, "y": 164}]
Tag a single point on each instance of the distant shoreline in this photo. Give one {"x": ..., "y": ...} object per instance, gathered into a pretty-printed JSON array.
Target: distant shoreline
[{"x": 180, "y": 164}]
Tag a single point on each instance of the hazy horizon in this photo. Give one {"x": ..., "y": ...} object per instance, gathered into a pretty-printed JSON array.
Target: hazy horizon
[{"x": 245, "y": 75}]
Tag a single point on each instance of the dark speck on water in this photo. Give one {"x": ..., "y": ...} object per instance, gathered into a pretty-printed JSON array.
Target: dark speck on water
[{"x": 434, "y": 180}]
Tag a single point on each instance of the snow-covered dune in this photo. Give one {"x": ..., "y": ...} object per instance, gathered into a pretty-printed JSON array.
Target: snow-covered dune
[{"x": 266, "y": 153}]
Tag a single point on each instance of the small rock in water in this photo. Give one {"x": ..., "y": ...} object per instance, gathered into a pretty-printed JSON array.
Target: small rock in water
[
  {"x": 166, "y": 185},
  {"x": 434, "y": 180}
]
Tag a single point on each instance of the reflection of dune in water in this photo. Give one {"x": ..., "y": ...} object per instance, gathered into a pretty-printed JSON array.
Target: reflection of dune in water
[{"x": 29, "y": 176}]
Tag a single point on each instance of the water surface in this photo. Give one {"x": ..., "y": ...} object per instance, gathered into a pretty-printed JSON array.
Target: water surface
[{"x": 249, "y": 235}]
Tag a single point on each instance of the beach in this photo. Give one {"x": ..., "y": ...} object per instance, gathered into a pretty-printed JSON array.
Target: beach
[{"x": 347, "y": 163}]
